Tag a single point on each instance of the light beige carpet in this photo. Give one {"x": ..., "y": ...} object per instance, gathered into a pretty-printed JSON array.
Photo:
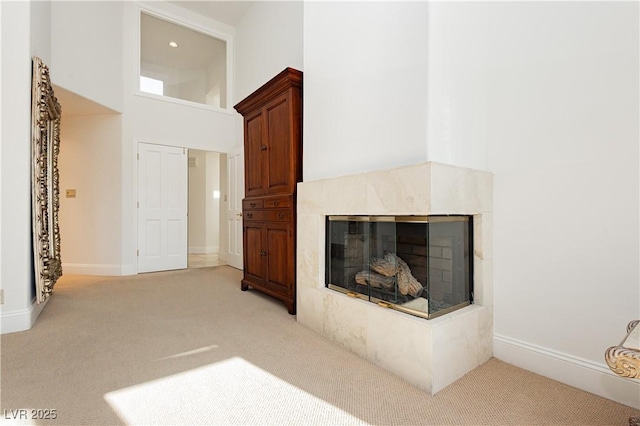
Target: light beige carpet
[{"x": 189, "y": 347}]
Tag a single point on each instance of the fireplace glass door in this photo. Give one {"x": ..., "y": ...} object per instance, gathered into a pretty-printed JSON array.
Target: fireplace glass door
[{"x": 421, "y": 265}]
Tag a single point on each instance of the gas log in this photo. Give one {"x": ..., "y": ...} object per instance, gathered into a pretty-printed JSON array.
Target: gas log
[
  {"x": 375, "y": 280},
  {"x": 385, "y": 270}
]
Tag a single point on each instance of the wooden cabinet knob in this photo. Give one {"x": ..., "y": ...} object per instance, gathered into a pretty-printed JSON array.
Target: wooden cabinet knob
[{"x": 263, "y": 148}]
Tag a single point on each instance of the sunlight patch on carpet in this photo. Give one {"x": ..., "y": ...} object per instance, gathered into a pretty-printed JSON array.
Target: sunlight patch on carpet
[
  {"x": 232, "y": 391},
  {"x": 192, "y": 352}
]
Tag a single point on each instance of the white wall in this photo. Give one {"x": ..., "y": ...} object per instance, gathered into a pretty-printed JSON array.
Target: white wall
[
  {"x": 21, "y": 38},
  {"x": 17, "y": 262},
  {"x": 458, "y": 63},
  {"x": 212, "y": 205},
  {"x": 95, "y": 53},
  {"x": 562, "y": 137},
  {"x": 365, "y": 92},
  {"x": 176, "y": 124},
  {"x": 86, "y": 45},
  {"x": 89, "y": 162},
  {"x": 543, "y": 94},
  {"x": 223, "y": 239},
  {"x": 204, "y": 210},
  {"x": 167, "y": 123},
  {"x": 41, "y": 31},
  {"x": 268, "y": 40},
  {"x": 1, "y": 137},
  {"x": 197, "y": 202},
  {"x": 1, "y": 177}
]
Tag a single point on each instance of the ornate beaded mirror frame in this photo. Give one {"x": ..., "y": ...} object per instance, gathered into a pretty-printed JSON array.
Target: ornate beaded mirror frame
[{"x": 45, "y": 147}]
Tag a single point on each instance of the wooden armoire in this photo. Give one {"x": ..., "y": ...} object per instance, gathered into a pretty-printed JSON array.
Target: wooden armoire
[{"x": 273, "y": 166}]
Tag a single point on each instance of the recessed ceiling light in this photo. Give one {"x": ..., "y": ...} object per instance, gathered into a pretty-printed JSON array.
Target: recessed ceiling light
[{"x": 173, "y": 44}]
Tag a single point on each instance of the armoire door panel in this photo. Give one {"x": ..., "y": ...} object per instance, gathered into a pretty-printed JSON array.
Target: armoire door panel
[
  {"x": 279, "y": 257},
  {"x": 254, "y": 153},
  {"x": 254, "y": 264},
  {"x": 279, "y": 140}
]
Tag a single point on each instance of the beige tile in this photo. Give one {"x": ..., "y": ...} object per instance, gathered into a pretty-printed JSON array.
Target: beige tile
[
  {"x": 310, "y": 250},
  {"x": 485, "y": 334},
  {"x": 402, "y": 191},
  {"x": 400, "y": 344},
  {"x": 310, "y": 308},
  {"x": 455, "y": 346},
  {"x": 479, "y": 297},
  {"x": 487, "y": 235},
  {"x": 310, "y": 197},
  {"x": 345, "y": 195},
  {"x": 458, "y": 190},
  {"x": 345, "y": 321}
]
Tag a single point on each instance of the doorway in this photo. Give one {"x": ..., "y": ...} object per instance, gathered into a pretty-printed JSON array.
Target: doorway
[{"x": 205, "y": 183}]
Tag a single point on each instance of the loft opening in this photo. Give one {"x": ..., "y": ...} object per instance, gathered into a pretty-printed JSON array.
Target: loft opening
[{"x": 181, "y": 63}]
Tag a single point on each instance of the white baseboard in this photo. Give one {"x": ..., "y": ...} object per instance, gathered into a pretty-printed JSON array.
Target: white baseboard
[
  {"x": 204, "y": 250},
  {"x": 97, "y": 269},
  {"x": 129, "y": 270},
  {"x": 11, "y": 322},
  {"x": 582, "y": 374}
]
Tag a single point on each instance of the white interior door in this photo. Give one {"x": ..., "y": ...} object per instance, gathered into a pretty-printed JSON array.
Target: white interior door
[
  {"x": 162, "y": 208},
  {"x": 235, "y": 180}
]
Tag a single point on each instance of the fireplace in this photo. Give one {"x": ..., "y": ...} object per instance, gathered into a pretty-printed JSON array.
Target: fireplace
[
  {"x": 419, "y": 265},
  {"x": 339, "y": 217}
]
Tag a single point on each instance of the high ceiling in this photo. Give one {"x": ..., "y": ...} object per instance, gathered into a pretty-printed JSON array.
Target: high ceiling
[{"x": 227, "y": 12}]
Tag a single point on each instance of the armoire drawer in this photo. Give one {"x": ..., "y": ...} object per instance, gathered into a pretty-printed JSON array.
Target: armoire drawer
[
  {"x": 252, "y": 204},
  {"x": 277, "y": 202},
  {"x": 276, "y": 215}
]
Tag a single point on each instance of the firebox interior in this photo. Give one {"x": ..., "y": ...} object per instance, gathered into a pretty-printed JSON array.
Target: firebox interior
[{"x": 420, "y": 265}]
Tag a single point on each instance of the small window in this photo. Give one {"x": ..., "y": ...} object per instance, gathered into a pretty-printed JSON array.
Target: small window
[{"x": 193, "y": 65}]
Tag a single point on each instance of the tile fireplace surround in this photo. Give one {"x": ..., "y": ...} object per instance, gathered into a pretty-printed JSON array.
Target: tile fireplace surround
[{"x": 431, "y": 354}]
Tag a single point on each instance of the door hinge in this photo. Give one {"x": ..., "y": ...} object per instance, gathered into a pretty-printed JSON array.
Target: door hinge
[
  {"x": 138, "y": 156},
  {"x": 137, "y": 252}
]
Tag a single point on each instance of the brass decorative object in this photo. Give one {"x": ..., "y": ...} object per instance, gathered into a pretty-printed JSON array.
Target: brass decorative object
[
  {"x": 625, "y": 361},
  {"x": 45, "y": 147},
  {"x": 622, "y": 360}
]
